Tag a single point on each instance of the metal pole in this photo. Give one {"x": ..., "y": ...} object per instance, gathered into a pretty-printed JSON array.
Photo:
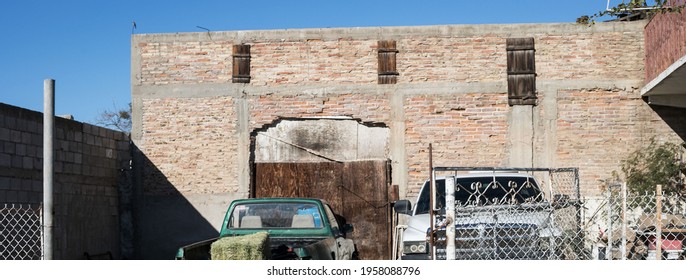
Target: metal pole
[
  {"x": 658, "y": 224},
  {"x": 608, "y": 232},
  {"x": 432, "y": 206},
  {"x": 48, "y": 167},
  {"x": 450, "y": 218},
  {"x": 624, "y": 222}
]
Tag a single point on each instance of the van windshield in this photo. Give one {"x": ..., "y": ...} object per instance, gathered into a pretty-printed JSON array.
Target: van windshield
[{"x": 487, "y": 190}]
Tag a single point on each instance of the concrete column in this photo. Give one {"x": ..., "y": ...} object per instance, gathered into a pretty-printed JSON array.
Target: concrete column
[
  {"x": 397, "y": 143},
  {"x": 243, "y": 129},
  {"x": 521, "y": 136},
  {"x": 545, "y": 129}
]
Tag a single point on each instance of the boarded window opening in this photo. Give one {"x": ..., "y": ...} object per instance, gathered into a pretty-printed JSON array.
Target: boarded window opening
[
  {"x": 521, "y": 71},
  {"x": 241, "y": 64},
  {"x": 388, "y": 73}
]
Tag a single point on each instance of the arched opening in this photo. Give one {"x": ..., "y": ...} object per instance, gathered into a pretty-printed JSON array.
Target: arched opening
[{"x": 340, "y": 160}]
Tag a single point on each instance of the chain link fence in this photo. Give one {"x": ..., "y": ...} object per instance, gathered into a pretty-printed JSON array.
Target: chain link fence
[
  {"x": 509, "y": 214},
  {"x": 539, "y": 214},
  {"x": 20, "y": 232},
  {"x": 640, "y": 226}
]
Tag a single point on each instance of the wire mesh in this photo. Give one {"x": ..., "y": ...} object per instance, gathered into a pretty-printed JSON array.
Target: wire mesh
[
  {"x": 20, "y": 232},
  {"x": 647, "y": 226},
  {"x": 513, "y": 214},
  {"x": 540, "y": 214}
]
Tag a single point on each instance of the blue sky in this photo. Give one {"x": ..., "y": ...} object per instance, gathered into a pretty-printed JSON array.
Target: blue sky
[{"x": 85, "y": 45}]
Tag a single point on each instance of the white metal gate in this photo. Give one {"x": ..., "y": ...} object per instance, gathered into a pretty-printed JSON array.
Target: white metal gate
[{"x": 507, "y": 213}]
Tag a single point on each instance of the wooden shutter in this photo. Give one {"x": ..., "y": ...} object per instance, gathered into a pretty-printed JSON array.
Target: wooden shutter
[
  {"x": 387, "y": 63},
  {"x": 241, "y": 64},
  {"x": 521, "y": 71}
]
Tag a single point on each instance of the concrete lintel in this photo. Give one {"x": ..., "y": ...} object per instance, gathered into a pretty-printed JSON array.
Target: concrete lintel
[
  {"x": 230, "y": 89},
  {"x": 395, "y": 32},
  {"x": 235, "y": 90},
  {"x": 554, "y": 85},
  {"x": 188, "y": 90}
]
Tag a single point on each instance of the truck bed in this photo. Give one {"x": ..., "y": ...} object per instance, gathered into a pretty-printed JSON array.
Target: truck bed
[{"x": 279, "y": 249}]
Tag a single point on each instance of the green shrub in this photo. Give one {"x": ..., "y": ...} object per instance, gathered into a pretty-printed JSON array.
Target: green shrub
[{"x": 653, "y": 165}]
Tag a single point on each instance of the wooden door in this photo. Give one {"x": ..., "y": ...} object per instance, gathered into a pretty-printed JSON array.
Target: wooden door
[{"x": 357, "y": 190}]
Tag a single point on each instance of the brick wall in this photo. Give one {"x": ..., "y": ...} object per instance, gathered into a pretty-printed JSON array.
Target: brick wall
[
  {"x": 189, "y": 145},
  {"x": 466, "y": 128},
  {"x": 87, "y": 166},
  {"x": 665, "y": 41},
  {"x": 194, "y": 125},
  {"x": 421, "y": 59},
  {"x": 373, "y": 108},
  {"x": 598, "y": 128}
]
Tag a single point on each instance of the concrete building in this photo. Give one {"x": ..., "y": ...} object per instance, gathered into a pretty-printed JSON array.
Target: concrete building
[{"x": 209, "y": 106}]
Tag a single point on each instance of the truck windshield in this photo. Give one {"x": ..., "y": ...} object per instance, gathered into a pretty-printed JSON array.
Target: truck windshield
[
  {"x": 275, "y": 215},
  {"x": 487, "y": 190}
]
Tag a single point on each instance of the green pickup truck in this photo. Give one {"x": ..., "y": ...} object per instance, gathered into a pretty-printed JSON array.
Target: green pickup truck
[{"x": 299, "y": 228}]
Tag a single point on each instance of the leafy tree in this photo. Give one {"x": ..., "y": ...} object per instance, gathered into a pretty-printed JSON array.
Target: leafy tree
[
  {"x": 633, "y": 9},
  {"x": 118, "y": 118},
  {"x": 653, "y": 165}
]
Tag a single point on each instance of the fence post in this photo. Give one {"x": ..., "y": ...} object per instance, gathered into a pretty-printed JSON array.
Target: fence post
[
  {"x": 608, "y": 232},
  {"x": 48, "y": 168},
  {"x": 432, "y": 203},
  {"x": 658, "y": 224},
  {"x": 624, "y": 222},
  {"x": 450, "y": 218}
]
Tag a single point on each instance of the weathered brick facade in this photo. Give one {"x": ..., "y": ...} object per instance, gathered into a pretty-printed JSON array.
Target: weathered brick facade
[
  {"x": 421, "y": 59},
  {"x": 665, "y": 41},
  {"x": 193, "y": 138},
  {"x": 193, "y": 126}
]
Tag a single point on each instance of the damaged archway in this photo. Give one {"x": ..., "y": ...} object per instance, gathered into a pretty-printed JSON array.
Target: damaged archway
[{"x": 341, "y": 160}]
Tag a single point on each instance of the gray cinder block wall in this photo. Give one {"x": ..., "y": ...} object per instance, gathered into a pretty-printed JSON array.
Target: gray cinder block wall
[{"x": 89, "y": 166}]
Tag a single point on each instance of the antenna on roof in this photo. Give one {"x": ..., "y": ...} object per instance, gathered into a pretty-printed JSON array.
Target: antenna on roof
[{"x": 206, "y": 29}]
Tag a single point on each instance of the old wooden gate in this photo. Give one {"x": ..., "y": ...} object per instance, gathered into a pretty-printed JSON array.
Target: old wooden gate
[{"x": 357, "y": 190}]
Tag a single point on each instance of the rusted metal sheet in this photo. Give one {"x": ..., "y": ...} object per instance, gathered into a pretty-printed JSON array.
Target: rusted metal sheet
[
  {"x": 365, "y": 201},
  {"x": 322, "y": 180},
  {"x": 358, "y": 191}
]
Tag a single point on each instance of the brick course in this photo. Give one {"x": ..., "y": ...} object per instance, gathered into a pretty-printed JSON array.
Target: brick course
[
  {"x": 598, "y": 128},
  {"x": 189, "y": 145},
  {"x": 421, "y": 59},
  {"x": 597, "y": 125}
]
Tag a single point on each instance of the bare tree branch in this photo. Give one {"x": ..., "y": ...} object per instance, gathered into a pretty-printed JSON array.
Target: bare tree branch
[{"x": 119, "y": 119}]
